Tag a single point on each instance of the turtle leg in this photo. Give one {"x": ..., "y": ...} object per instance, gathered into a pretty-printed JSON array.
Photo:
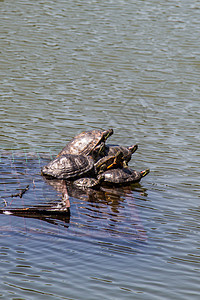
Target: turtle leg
[
  {"x": 102, "y": 169},
  {"x": 125, "y": 164}
]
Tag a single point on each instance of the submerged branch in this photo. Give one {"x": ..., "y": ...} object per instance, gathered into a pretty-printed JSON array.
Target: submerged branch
[{"x": 20, "y": 194}]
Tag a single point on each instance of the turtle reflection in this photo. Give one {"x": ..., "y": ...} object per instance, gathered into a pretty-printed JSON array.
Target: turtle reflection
[
  {"x": 108, "y": 195},
  {"x": 107, "y": 207}
]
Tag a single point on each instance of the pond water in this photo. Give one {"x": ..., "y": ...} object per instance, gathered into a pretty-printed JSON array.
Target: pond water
[{"x": 70, "y": 66}]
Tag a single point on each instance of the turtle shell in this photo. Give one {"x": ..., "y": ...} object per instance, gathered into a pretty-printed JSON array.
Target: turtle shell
[
  {"x": 127, "y": 151},
  {"x": 124, "y": 175},
  {"x": 88, "y": 182},
  {"x": 68, "y": 166},
  {"x": 85, "y": 142}
]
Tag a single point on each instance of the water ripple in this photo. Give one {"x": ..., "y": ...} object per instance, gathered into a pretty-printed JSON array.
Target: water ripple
[{"x": 69, "y": 67}]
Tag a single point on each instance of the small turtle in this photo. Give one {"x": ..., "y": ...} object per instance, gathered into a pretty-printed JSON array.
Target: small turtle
[
  {"x": 88, "y": 182},
  {"x": 87, "y": 143},
  {"x": 68, "y": 166},
  {"x": 124, "y": 175},
  {"x": 108, "y": 162},
  {"x": 127, "y": 151}
]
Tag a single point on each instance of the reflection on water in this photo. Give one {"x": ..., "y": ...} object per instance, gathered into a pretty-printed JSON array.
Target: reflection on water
[
  {"x": 101, "y": 208},
  {"x": 117, "y": 228}
]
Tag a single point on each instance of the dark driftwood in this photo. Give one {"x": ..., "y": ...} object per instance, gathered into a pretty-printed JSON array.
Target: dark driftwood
[
  {"x": 47, "y": 211},
  {"x": 45, "y": 214}
]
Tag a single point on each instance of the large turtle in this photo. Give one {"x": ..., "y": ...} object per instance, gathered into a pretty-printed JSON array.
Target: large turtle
[
  {"x": 127, "y": 151},
  {"x": 87, "y": 143},
  {"x": 69, "y": 166},
  {"x": 124, "y": 175}
]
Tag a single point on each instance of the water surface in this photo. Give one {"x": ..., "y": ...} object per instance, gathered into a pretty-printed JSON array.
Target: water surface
[{"x": 71, "y": 66}]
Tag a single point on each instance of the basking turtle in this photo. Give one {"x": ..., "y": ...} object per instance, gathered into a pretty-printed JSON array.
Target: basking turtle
[
  {"x": 127, "y": 151},
  {"x": 124, "y": 175},
  {"x": 69, "y": 166},
  {"x": 87, "y": 143},
  {"x": 88, "y": 182},
  {"x": 108, "y": 162}
]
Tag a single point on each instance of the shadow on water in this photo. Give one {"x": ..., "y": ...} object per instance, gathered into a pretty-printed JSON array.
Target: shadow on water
[{"x": 105, "y": 212}]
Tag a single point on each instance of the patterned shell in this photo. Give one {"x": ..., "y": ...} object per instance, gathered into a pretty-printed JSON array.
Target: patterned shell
[
  {"x": 85, "y": 142},
  {"x": 86, "y": 182},
  {"x": 68, "y": 166},
  {"x": 125, "y": 175}
]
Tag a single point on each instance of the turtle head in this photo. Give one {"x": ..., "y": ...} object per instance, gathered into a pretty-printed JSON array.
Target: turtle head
[
  {"x": 145, "y": 172},
  {"x": 133, "y": 148},
  {"x": 44, "y": 170},
  {"x": 106, "y": 134}
]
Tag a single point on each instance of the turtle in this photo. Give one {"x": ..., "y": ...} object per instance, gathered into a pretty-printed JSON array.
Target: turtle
[
  {"x": 87, "y": 143},
  {"x": 127, "y": 151},
  {"x": 108, "y": 162},
  {"x": 124, "y": 175},
  {"x": 88, "y": 182},
  {"x": 69, "y": 166}
]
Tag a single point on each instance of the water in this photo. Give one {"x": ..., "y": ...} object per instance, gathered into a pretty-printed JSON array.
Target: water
[{"x": 71, "y": 66}]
